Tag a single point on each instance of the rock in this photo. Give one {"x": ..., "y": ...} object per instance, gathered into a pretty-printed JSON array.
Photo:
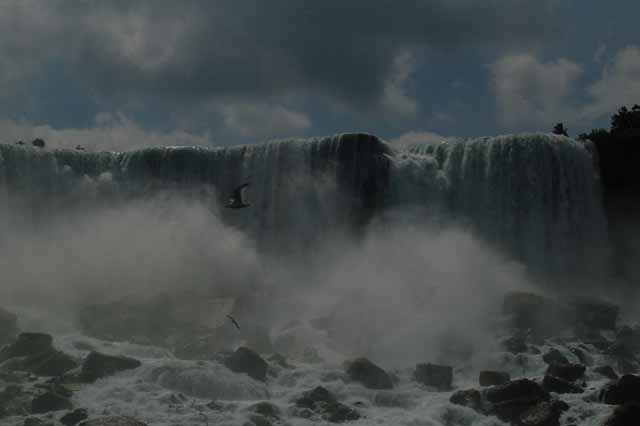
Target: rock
[
  {"x": 528, "y": 311},
  {"x": 34, "y": 421},
  {"x": 595, "y": 314},
  {"x": 554, "y": 356},
  {"x": 625, "y": 415},
  {"x": 508, "y": 402},
  {"x": 438, "y": 376},
  {"x": 27, "y": 344},
  {"x": 324, "y": 403},
  {"x": 516, "y": 344},
  {"x": 34, "y": 352},
  {"x": 493, "y": 378},
  {"x": 468, "y": 398},
  {"x": 8, "y": 327},
  {"x": 546, "y": 413},
  {"x": 279, "y": 360},
  {"x": 625, "y": 390},
  {"x": 266, "y": 409},
  {"x": 368, "y": 374},
  {"x": 38, "y": 143},
  {"x": 606, "y": 371},
  {"x": 50, "y": 364},
  {"x": 244, "y": 360},
  {"x": 582, "y": 357},
  {"x": 568, "y": 372},
  {"x": 113, "y": 421},
  {"x": 74, "y": 417},
  {"x": 13, "y": 401},
  {"x": 558, "y": 385},
  {"x": 97, "y": 366},
  {"x": 50, "y": 401}
]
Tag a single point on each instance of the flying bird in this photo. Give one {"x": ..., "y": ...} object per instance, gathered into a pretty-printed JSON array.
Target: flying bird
[
  {"x": 237, "y": 200},
  {"x": 233, "y": 320}
]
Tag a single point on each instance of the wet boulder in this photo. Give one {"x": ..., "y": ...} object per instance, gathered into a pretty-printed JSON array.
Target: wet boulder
[
  {"x": 13, "y": 401},
  {"x": 113, "y": 421},
  {"x": 545, "y": 413},
  {"x": 511, "y": 402},
  {"x": 625, "y": 415},
  {"x": 594, "y": 314},
  {"x": 97, "y": 365},
  {"x": 38, "y": 143},
  {"x": 265, "y": 409},
  {"x": 606, "y": 371},
  {"x": 537, "y": 314},
  {"x": 493, "y": 378},
  {"x": 74, "y": 417},
  {"x": 27, "y": 344},
  {"x": 8, "y": 327},
  {"x": 438, "y": 376},
  {"x": 34, "y": 352},
  {"x": 554, "y": 356},
  {"x": 50, "y": 401},
  {"x": 624, "y": 390},
  {"x": 558, "y": 385},
  {"x": 325, "y": 404},
  {"x": 244, "y": 360},
  {"x": 569, "y": 372},
  {"x": 368, "y": 374}
]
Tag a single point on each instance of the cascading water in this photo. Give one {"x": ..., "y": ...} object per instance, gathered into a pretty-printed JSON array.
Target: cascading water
[{"x": 536, "y": 195}]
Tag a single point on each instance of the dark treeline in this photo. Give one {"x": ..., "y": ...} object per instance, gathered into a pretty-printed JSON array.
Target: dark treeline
[{"x": 619, "y": 159}]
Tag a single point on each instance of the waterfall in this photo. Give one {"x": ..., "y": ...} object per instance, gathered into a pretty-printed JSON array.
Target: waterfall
[{"x": 536, "y": 195}]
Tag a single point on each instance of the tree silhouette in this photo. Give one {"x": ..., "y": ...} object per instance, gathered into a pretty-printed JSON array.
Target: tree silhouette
[{"x": 559, "y": 129}]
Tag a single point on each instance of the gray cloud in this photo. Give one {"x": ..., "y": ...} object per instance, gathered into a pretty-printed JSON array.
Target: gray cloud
[{"x": 192, "y": 49}]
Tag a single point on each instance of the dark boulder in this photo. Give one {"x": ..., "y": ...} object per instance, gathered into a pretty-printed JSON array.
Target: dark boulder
[
  {"x": 509, "y": 402},
  {"x": 493, "y": 378},
  {"x": 558, "y": 385},
  {"x": 38, "y": 143},
  {"x": 50, "y": 364},
  {"x": 265, "y": 409},
  {"x": 468, "y": 398},
  {"x": 113, "y": 421},
  {"x": 13, "y": 401},
  {"x": 606, "y": 371},
  {"x": 568, "y": 372},
  {"x": 545, "y": 413},
  {"x": 8, "y": 327},
  {"x": 438, "y": 376},
  {"x": 515, "y": 344},
  {"x": 625, "y": 390},
  {"x": 319, "y": 394},
  {"x": 97, "y": 365},
  {"x": 554, "y": 356},
  {"x": 625, "y": 415},
  {"x": 34, "y": 353},
  {"x": 323, "y": 402},
  {"x": 537, "y": 314},
  {"x": 244, "y": 360},
  {"x": 368, "y": 374},
  {"x": 594, "y": 314},
  {"x": 74, "y": 417},
  {"x": 50, "y": 401},
  {"x": 34, "y": 421},
  {"x": 27, "y": 344}
]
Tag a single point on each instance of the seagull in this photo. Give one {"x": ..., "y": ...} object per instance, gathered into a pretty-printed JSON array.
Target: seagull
[
  {"x": 233, "y": 320},
  {"x": 236, "y": 200}
]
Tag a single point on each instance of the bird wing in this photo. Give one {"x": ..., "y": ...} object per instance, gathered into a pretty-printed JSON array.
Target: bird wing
[{"x": 238, "y": 193}]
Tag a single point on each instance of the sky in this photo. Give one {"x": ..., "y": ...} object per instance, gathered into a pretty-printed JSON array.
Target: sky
[{"x": 114, "y": 74}]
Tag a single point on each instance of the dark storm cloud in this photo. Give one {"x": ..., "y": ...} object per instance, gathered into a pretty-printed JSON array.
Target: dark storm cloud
[{"x": 200, "y": 49}]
